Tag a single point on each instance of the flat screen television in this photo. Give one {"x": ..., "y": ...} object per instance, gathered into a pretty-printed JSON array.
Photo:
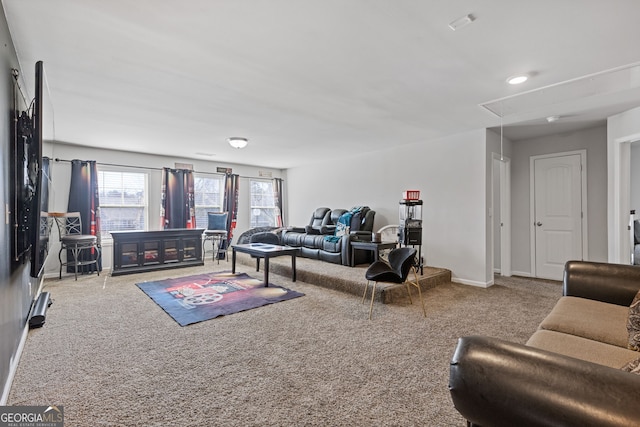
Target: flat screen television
[
  {"x": 42, "y": 119},
  {"x": 31, "y": 177},
  {"x": 24, "y": 185}
]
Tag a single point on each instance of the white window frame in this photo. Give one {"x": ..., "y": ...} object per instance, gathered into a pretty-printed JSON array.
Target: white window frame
[
  {"x": 145, "y": 205},
  {"x": 209, "y": 208},
  {"x": 252, "y": 207}
]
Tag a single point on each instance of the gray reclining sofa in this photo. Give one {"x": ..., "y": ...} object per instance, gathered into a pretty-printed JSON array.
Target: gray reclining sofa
[{"x": 317, "y": 239}]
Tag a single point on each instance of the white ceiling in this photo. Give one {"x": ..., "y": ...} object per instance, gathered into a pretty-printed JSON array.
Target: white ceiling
[{"x": 307, "y": 80}]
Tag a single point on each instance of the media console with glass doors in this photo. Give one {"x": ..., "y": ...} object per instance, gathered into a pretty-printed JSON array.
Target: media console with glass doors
[{"x": 140, "y": 251}]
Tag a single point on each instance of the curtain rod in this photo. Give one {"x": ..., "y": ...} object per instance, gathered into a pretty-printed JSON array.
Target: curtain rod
[{"x": 156, "y": 169}]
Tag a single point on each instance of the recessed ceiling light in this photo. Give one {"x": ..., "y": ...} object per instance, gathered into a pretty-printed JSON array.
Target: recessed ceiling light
[
  {"x": 552, "y": 119},
  {"x": 462, "y": 22},
  {"x": 516, "y": 80}
]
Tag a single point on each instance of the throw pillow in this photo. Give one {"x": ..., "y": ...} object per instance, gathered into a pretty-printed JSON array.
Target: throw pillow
[
  {"x": 633, "y": 324},
  {"x": 633, "y": 367}
]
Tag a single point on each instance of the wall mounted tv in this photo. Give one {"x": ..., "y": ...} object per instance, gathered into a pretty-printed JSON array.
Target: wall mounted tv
[{"x": 31, "y": 179}]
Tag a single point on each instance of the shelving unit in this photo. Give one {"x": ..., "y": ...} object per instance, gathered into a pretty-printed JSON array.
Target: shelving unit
[
  {"x": 140, "y": 251},
  {"x": 410, "y": 229}
]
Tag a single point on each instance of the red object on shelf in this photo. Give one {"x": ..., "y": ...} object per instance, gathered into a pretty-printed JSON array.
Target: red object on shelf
[{"x": 411, "y": 195}]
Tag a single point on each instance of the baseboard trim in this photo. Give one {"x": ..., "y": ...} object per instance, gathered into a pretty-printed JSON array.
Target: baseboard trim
[
  {"x": 52, "y": 275},
  {"x": 55, "y": 275},
  {"x": 472, "y": 282},
  {"x": 13, "y": 366},
  {"x": 521, "y": 273}
]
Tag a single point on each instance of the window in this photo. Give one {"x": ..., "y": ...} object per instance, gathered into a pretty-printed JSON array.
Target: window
[
  {"x": 263, "y": 209},
  {"x": 123, "y": 201},
  {"x": 208, "y": 195}
]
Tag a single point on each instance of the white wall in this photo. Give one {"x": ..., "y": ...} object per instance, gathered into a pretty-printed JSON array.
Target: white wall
[
  {"x": 451, "y": 174},
  {"x": 594, "y": 141},
  {"x": 61, "y": 175},
  {"x": 622, "y": 129},
  {"x": 635, "y": 179},
  {"x": 496, "y": 147},
  {"x": 454, "y": 175}
]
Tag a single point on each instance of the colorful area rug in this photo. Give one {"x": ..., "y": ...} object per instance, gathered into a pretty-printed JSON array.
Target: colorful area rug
[{"x": 193, "y": 299}]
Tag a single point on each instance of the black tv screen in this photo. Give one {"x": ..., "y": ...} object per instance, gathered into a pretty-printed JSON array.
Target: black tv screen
[
  {"x": 42, "y": 118},
  {"x": 24, "y": 179}
]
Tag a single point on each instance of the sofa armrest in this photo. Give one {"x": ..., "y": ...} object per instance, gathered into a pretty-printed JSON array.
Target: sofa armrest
[
  {"x": 498, "y": 383},
  {"x": 328, "y": 229},
  {"x": 611, "y": 283},
  {"x": 295, "y": 229},
  {"x": 309, "y": 229}
]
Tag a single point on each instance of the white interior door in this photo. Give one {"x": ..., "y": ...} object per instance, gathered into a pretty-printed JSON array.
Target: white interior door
[
  {"x": 501, "y": 211},
  {"x": 557, "y": 213},
  {"x": 496, "y": 217},
  {"x": 505, "y": 217}
]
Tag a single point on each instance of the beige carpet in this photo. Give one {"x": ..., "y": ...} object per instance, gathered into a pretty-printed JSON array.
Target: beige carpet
[
  {"x": 112, "y": 357},
  {"x": 348, "y": 279}
]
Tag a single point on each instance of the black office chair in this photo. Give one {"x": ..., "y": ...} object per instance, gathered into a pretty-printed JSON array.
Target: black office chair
[{"x": 396, "y": 270}]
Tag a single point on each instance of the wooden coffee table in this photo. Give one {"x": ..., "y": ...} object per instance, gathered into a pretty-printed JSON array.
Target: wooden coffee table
[{"x": 266, "y": 251}]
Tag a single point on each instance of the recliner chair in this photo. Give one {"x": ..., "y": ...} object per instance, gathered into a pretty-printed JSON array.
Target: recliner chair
[
  {"x": 319, "y": 218},
  {"x": 330, "y": 227}
]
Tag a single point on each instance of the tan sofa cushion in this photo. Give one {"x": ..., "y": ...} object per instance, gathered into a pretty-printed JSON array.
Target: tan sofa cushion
[
  {"x": 590, "y": 319},
  {"x": 582, "y": 348}
]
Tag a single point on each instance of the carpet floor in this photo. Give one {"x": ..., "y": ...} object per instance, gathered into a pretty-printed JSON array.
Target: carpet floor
[
  {"x": 349, "y": 279},
  {"x": 112, "y": 357}
]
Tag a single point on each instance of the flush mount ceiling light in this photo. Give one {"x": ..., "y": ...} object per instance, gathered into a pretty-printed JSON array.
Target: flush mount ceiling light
[
  {"x": 461, "y": 22},
  {"x": 516, "y": 80},
  {"x": 237, "y": 142}
]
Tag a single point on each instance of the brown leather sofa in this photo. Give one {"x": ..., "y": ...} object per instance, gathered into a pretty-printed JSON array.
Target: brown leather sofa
[{"x": 569, "y": 372}]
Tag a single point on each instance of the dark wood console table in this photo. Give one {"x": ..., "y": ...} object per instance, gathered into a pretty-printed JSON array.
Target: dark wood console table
[{"x": 140, "y": 251}]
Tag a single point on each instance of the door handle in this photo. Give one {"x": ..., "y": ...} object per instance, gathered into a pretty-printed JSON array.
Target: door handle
[{"x": 538, "y": 223}]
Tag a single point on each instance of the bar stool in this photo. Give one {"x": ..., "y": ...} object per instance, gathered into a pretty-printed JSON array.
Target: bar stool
[
  {"x": 71, "y": 239},
  {"x": 216, "y": 233}
]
